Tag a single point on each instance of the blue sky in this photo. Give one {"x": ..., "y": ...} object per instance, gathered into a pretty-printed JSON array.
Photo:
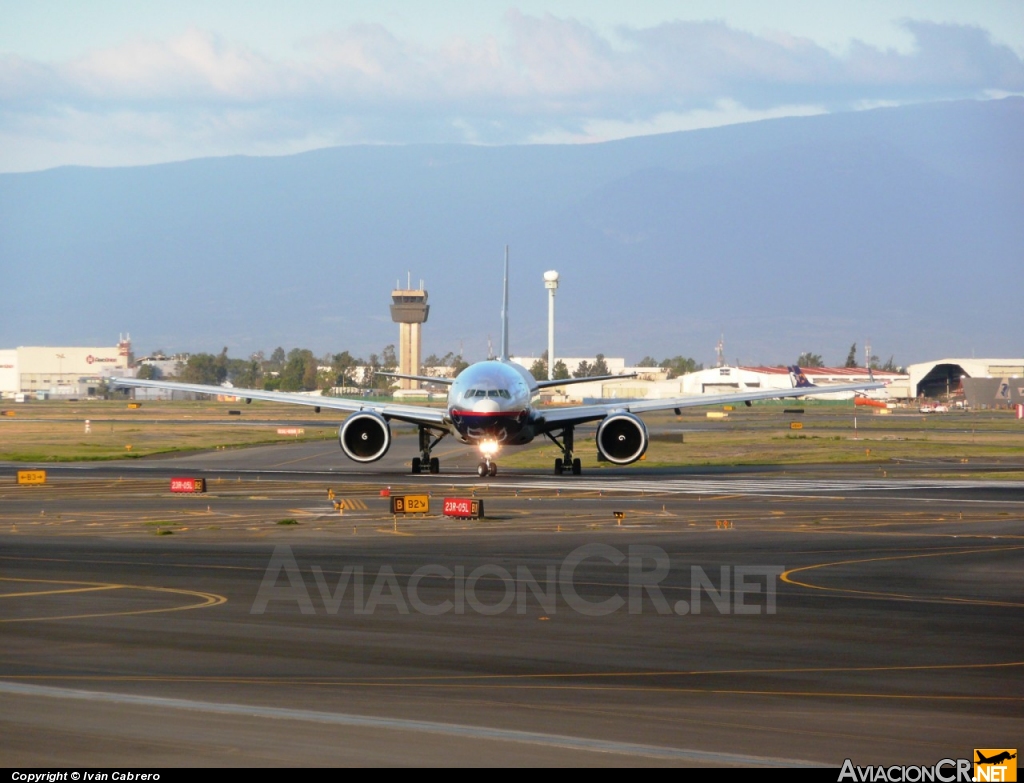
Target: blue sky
[{"x": 126, "y": 83}]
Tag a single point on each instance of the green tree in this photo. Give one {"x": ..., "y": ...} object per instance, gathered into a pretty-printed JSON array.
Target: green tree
[
  {"x": 148, "y": 372},
  {"x": 388, "y": 358},
  {"x": 276, "y": 361},
  {"x": 245, "y": 373},
  {"x": 341, "y": 366},
  {"x": 372, "y": 368},
  {"x": 648, "y": 361},
  {"x": 600, "y": 366},
  {"x": 560, "y": 372},
  {"x": 539, "y": 369},
  {"x": 300, "y": 371},
  {"x": 311, "y": 374},
  {"x": 221, "y": 363},
  {"x": 386, "y": 361},
  {"x": 582, "y": 369},
  {"x": 458, "y": 365},
  {"x": 203, "y": 368},
  {"x": 851, "y": 357},
  {"x": 372, "y": 379},
  {"x": 810, "y": 360},
  {"x": 290, "y": 377},
  {"x": 890, "y": 366},
  {"x": 680, "y": 365}
]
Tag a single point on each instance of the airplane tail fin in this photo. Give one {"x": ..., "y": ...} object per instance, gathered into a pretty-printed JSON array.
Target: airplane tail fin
[
  {"x": 799, "y": 379},
  {"x": 504, "y": 313}
]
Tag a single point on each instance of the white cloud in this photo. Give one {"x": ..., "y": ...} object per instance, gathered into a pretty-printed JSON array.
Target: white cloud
[
  {"x": 549, "y": 79},
  {"x": 724, "y": 112},
  {"x": 995, "y": 95}
]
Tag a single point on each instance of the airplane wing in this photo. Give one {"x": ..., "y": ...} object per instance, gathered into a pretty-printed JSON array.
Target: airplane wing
[
  {"x": 414, "y": 414},
  {"x": 424, "y": 378},
  {"x": 588, "y": 379},
  {"x": 579, "y": 414}
]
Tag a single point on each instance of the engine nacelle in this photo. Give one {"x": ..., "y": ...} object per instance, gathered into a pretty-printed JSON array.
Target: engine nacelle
[
  {"x": 622, "y": 438},
  {"x": 365, "y": 436}
]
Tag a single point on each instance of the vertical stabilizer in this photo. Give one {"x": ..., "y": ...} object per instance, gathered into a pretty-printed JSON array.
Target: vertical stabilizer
[
  {"x": 797, "y": 375},
  {"x": 504, "y": 314}
]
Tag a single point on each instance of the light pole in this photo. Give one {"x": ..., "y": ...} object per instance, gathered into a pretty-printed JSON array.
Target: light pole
[{"x": 551, "y": 283}]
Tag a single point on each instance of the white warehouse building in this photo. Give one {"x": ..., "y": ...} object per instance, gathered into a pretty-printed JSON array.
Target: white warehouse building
[{"x": 61, "y": 371}]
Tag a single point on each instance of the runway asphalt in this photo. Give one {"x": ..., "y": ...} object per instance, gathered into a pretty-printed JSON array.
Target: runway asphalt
[{"x": 750, "y": 616}]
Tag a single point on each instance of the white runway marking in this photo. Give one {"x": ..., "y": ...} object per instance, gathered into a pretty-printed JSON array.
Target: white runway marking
[
  {"x": 754, "y": 486},
  {"x": 683, "y": 485},
  {"x": 398, "y": 724}
]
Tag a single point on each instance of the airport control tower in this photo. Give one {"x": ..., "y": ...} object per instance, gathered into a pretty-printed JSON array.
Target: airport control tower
[{"x": 409, "y": 309}]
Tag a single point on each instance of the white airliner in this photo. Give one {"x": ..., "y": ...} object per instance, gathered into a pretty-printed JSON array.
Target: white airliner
[{"x": 492, "y": 404}]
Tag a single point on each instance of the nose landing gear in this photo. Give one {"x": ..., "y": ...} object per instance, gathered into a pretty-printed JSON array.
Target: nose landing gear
[{"x": 487, "y": 468}]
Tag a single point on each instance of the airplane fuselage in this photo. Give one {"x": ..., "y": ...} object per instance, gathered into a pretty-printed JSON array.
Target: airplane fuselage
[{"x": 493, "y": 401}]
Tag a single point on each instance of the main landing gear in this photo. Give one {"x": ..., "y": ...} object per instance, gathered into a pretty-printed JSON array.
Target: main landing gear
[
  {"x": 567, "y": 463},
  {"x": 425, "y": 463}
]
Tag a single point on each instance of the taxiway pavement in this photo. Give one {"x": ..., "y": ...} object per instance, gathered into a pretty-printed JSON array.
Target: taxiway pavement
[{"x": 842, "y": 614}]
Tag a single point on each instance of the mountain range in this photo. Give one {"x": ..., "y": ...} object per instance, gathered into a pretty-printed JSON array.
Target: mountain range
[{"x": 901, "y": 226}]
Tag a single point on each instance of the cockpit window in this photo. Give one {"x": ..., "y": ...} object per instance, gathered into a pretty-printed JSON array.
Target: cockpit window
[{"x": 502, "y": 393}]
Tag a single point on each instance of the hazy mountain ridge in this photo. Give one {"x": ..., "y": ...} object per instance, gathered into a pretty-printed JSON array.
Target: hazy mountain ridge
[{"x": 904, "y": 225}]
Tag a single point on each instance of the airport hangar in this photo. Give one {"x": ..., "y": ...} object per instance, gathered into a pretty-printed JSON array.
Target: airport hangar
[
  {"x": 38, "y": 372},
  {"x": 982, "y": 383}
]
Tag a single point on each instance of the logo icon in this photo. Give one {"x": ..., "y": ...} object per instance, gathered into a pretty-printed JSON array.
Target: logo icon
[{"x": 995, "y": 764}]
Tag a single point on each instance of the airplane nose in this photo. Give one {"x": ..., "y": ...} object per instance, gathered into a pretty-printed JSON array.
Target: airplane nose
[{"x": 486, "y": 406}]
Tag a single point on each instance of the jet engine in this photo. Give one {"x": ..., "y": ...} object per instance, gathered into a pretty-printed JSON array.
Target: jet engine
[
  {"x": 622, "y": 438},
  {"x": 365, "y": 436}
]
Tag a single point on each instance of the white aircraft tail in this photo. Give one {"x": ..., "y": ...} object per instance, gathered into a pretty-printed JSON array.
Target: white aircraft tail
[{"x": 504, "y": 314}]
